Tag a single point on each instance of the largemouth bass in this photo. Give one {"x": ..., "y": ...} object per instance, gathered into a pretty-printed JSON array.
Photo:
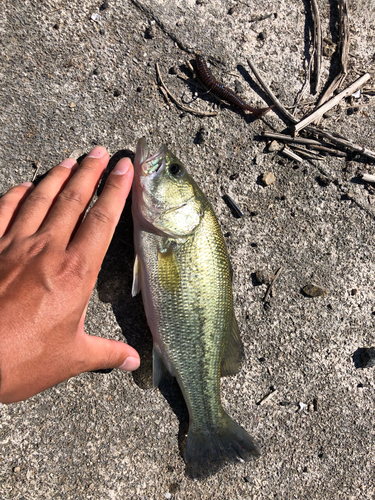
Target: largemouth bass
[{"x": 183, "y": 270}]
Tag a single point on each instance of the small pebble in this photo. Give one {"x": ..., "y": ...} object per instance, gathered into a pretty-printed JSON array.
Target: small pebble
[
  {"x": 323, "y": 180},
  {"x": 329, "y": 50},
  {"x": 357, "y": 94},
  {"x": 247, "y": 479},
  {"x": 264, "y": 277},
  {"x": 150, "y": 31},
  {"x": 201, "y": 136},
  {"x": 354, "y": 291},
  {"x": 104, "y": 5},
  {"x": 174, "y": 488},
  {"x": 274, "y": 146},
  {"x": 368, "y": 357},
  {"x": 96, "y": 17},
  {"x": 234, "y": 176},
  {"x": 72, "y": 105},
  {"x": 268, "y": 178},
  {"x": 302, "y": 406},
  {"x": 16, "y": 470},
  {"x": 314, "y": 290}
]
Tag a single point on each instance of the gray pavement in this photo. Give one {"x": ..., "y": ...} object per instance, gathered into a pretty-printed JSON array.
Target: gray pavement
[{"x": 69, "y": 82}]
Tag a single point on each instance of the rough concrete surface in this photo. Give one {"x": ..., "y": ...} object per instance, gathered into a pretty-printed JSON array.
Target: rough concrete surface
[{"x": 69, "y": 82}]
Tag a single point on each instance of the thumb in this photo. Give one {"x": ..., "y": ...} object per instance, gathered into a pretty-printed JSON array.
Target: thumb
[{"x": 102, "y": 354}]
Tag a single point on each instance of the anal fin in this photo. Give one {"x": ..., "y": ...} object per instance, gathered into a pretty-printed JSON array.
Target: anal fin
[
  {"x": 233, "y": 354},
  {"x": 159, "y": 370}
]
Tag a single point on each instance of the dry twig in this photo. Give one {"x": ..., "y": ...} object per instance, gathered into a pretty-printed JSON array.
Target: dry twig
[
  {"x": 311, "y": 143},
  {"x": 289, "y": 138},
  {"x": 289, "y": 153},
  {"x": 177, "y": 102},
  {"x": 306, "y": 85},
  {"x": 270, "y": 288},
  {"x": 270, "y": 94},
  {"x": 344, "y": 51},
  {"x": 308, "y": 154},
  {"x": 268, "y": 397},
  {"x": 331, "y": 103},
  {"x": 38, "y": 165},
  {"x": 335, "y": 152},
  {"x": 341, "y": 141},
  {"x": 317, "y": 44},
  {"x": 368, "y": 178}
]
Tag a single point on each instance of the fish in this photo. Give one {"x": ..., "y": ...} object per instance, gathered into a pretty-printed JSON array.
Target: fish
[{"x": 183, "y": 270}]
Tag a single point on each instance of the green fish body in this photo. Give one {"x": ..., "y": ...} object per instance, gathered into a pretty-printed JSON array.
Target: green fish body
[{"x": 183, "y": 270}]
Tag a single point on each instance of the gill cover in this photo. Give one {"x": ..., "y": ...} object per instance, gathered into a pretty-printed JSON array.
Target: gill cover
[{"x": 165, "y": 196}]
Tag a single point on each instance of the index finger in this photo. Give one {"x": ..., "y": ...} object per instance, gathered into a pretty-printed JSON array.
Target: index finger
[{"x": 93, "y": 237}]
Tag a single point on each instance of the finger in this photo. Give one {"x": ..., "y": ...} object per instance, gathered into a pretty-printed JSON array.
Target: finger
[
  {"x": 95, "y": 233},
  {"x": 73, "y": 200},
  {"x": 35, "y": 209},
  {"x": 10, "y": 204},
  {"x": 101, "y": 354}
]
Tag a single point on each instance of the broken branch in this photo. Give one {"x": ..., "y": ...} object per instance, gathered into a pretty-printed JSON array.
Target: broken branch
[{"x": 332, "y": 102}]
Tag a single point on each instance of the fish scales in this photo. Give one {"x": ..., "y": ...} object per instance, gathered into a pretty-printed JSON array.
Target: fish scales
[
  {"x": 183, "y": 270},
  {"x": 198, "y": 309}
]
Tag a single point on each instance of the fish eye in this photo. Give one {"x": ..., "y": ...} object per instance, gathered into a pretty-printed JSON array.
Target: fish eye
[{"x": 175, "y": 169}]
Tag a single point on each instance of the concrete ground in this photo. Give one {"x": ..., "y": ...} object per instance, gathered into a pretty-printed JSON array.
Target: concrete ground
[{"x": 69, "y": 81}]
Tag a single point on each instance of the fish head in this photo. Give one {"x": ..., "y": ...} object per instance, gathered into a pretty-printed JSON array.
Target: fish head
[{"x": 166, "y": 200}]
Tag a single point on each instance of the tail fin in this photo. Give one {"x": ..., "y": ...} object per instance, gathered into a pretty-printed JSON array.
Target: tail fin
[
  {"x": 207, "y": 451},
  {"x": 259, "y": 112}
]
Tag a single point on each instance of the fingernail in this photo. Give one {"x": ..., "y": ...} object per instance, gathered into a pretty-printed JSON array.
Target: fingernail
[
  {"x": 28, "y": 184},
  {"x": 67, "y": 163},
  {"x": 122, "y": 166},
  {"x": 97, "y": 152},
  {"x": 130, "y": 364}
]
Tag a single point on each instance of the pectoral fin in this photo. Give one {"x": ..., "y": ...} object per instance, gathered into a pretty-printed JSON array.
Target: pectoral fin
[
  {"x": 233, "y": 354},
  {"x": 136, "y": 288}
]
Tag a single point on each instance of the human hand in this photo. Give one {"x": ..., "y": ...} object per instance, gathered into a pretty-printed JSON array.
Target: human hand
[{"x": 49, "y": 261}]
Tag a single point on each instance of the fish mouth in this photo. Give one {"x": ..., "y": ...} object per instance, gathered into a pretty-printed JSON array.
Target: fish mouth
[{"x": 147, "y": 164}]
